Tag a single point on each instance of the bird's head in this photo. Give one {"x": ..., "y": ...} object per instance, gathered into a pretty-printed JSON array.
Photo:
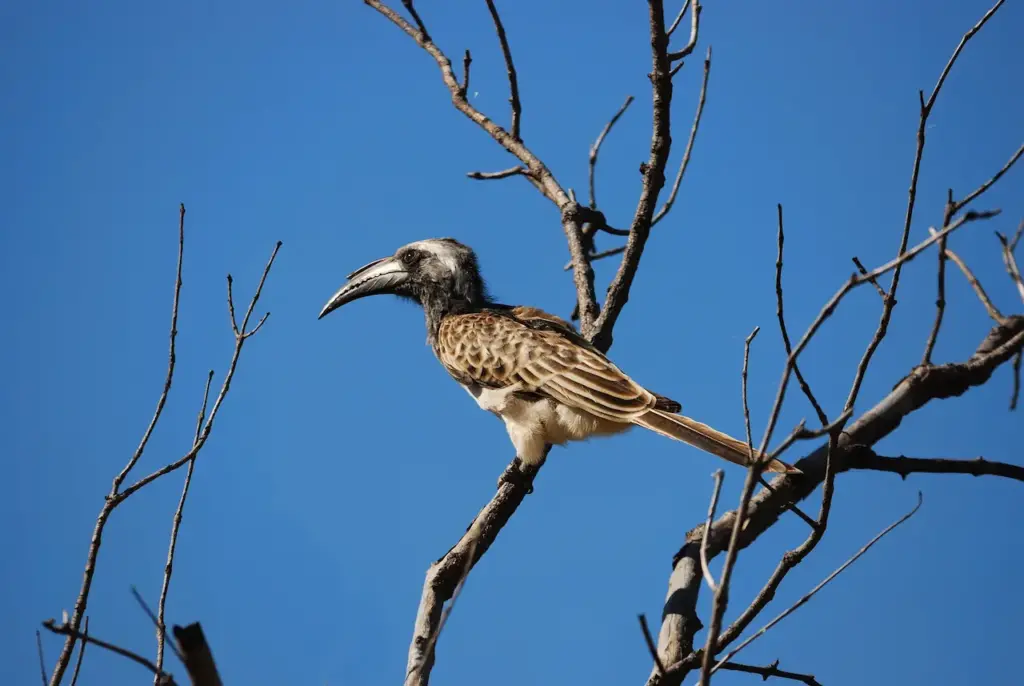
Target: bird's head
[{"x": 437, "y": 272}]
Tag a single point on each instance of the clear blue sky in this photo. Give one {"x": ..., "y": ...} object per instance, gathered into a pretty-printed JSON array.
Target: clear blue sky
[{"x": 345, "y": 460}]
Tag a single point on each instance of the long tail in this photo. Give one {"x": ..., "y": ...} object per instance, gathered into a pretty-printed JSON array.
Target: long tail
[{"x": 704, "y": 437}]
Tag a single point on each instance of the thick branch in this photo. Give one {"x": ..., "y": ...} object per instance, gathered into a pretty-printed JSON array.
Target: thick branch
[
  {"x": 653, "y": 177},
  {"x": 921, "y": 386},
  {"x": 444, "y": 576}
]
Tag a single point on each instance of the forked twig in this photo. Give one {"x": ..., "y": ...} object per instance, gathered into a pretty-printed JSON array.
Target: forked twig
[{"x": 810, "y": 594}]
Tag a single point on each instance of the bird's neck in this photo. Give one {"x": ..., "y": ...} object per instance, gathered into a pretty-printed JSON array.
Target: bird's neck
[{"x": 438, "y": 305}]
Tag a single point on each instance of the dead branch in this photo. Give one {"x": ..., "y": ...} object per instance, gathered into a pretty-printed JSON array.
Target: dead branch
[
  {"x": 771, "y": 670},
  {"x": 596, "y": 148},
  {"x": 864, "y": 272},
  {"x": 810, "y": 594},
  {"x": 804, "y": 386},
  {"x": 444, "y": 576},
  {"x": 863, "y": 457},
  {"x": 65, "y": 629},
  {"x": 539, "y": 175},
  {"x": 709, "y": 579},
  {"x": 513, "y": 81},
  {"x": 118, "y": 495},
  {"x": 649, "y": 640},
  {"x": 81, "y": 652},
  {"x": 196, "y": 655},
  {"x": 922, "y": 386},
  {"x": 1010, "y": 259},
  {"x": 667, "y": 207},
  {"x": 503, "y": 174}
]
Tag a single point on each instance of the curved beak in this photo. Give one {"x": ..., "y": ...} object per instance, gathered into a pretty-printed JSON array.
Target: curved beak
[{"x": 377, "y": 278}]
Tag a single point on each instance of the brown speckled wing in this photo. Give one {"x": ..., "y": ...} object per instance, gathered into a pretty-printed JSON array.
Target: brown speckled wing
[{"x": 542, "y": 353}]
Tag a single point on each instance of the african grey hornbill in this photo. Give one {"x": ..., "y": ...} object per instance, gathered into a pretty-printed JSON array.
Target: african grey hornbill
[{"x": 532, "y": 369}]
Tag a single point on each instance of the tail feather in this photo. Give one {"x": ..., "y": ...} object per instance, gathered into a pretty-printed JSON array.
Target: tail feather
[{"x": 702, "y": 436}]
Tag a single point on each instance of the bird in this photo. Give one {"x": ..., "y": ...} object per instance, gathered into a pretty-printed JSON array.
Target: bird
[{"x": 546, "y": 382}]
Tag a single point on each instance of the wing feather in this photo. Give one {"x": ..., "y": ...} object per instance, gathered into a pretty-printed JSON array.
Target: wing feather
[{"x": 543, "y": 354}]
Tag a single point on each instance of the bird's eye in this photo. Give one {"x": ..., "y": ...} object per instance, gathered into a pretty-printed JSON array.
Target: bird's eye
[{"x": 409, "y": 258}]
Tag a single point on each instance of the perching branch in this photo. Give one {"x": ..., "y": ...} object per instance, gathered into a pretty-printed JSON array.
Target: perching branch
[{"x": 65, "y": 629}]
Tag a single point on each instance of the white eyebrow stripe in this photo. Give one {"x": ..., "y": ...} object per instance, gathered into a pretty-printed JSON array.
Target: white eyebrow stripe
[{"x": 444, "y": 253}]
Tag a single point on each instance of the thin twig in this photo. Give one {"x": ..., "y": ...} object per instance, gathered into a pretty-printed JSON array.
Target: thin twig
[
  {"x": 115, "y": 494},
  {"x": 649, "y": 640},
  {"x": 175, "y": 526},
  {"x": 804, "y": 386},
  {"x": 81, "y": 652},
  {"x": 42, "y": 660},
  {"x": 719, "y": 476},
  {"x": 959, "y": 205},
  {"x": 1015, "y": 393},
  {"x": 940, "y": 290},
  {"x": 864, "y": 272},
  {"x": 71, "y": 632},
  {"x": 694, "y": 30},
  {"x": 416, "y": 18},
  {"x": 721, "y": 597},
  {"x": 467, "y": 60},
  {"x": 689, "y": 143},
  {"x": 990, "y": 307},
  {"x": 771, "y": 670},
  {"x": 225, "y": 386},
  {"x": 653, "y": 180},
  {"x": 513, "y": 83},
  {"x": 1010, "y": 258},
  {"x": 503, "y": 174},
  {"x": 161, "y": 629},
  {"x": 810, "y": 594},
  {"x": 679, "y": 18},
  {"x": 596, "y": 148}
]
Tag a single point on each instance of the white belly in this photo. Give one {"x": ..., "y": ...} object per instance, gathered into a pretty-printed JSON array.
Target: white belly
[{"x": 534, "y": 424}]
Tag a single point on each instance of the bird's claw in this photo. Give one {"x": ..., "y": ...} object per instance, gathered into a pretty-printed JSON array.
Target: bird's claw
[{"x": 515, "y": 476}]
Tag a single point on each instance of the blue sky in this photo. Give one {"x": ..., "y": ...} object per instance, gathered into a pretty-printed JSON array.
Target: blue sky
[{"x": 345, "y": 460}]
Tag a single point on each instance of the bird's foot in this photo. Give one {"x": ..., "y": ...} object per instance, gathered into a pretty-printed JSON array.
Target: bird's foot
[{"x": 516, "y": 475}]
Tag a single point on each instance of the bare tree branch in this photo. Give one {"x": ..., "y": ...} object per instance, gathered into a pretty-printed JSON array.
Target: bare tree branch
[
  {"x": 73, "y": 634},
  {"x": 709, "y": 579},
  {"x": 804, "y": 386},
  {"x": 990, "y": 307},
  {"x": 917, "y": 389},
  {"x": 175, "y": 526},
  {"x": 81, "y": 652},
  {"x": 196, "y": 655},
  {"x": 649, "y": 640},
  {"x": 539, "y": 175},
  {"x": 503, "y": 174},
  {"x": 702, "y": 98},
  {"x": 863, "y": 457},
  {"x": 42, "y": 659},
  {"x": 864, "y": 272},
  {"x": 694, "y": 30},
  {"x": 959, "y": 205},
  {"x": 679, "y": 18},
  {"x": 117, "y": 495},
  {"x": 771, "y": 670},
  {"x": 810, "y": 594},
  {"x": 467, "y": 59},
  {"x": 1010, "y": 259},
  {"x": 444, "y": 576},
  {"x": 513, "y": 82},
  {"x": 1015, "y": 394},
  {"x": 653, "y": 178},
  {"x": 596, "y": 148}
]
